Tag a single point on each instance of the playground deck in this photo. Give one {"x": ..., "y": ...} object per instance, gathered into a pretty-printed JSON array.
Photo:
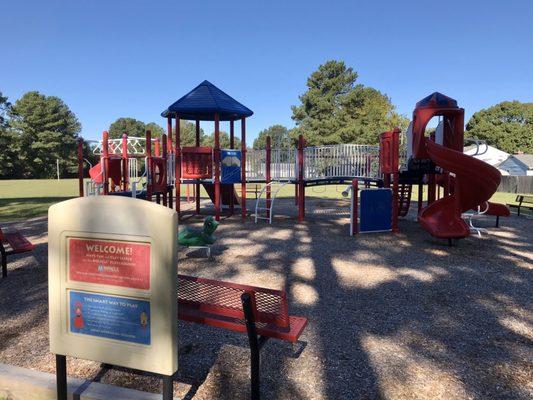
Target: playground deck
[{"x": 393, "y": 317}]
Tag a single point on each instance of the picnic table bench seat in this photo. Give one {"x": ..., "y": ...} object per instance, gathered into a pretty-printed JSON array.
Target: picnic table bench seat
[
  {"x": 522, "y": 200},
  {"x": 16, "y": 244},
  {"x": 261, "y": 313}
]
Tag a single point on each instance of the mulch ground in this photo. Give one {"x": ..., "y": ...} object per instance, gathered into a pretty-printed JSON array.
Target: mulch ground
[{"x": 390, "y": 316}]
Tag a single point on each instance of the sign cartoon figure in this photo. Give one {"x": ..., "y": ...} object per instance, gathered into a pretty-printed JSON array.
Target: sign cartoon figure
[
  {"x": 78, "y": 319},
  {"x": 144, "y": 320}
]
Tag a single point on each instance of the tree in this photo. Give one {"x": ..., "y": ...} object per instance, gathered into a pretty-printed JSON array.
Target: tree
[
  {"x": 155, "y": 129},
  {"x": 48, "y": 130},
  {"x": 9, "y": 144},
  {"x": 336, "y": 110},
  {"x": 224, "y": 141},
  {"x": 129, "y": 126},
  {"x": 279, "y": 135},
  {"x": 507, "y": 126},
  {"x": 188, "y": 134}
]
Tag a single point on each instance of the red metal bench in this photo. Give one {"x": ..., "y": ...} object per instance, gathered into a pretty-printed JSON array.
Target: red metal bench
[
  {"x": 16, "y": 244},
  {"x": 261, "y": 313}
]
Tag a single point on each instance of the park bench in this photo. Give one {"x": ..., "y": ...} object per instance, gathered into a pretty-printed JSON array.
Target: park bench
[
  {"x": 521, "y": 200},
  {"x": 12, "y": 243},
  {"x": 259, "y": 312}
]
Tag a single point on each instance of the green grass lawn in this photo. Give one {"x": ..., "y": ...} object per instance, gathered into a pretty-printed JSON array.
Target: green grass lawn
[{"x": 23, "y": 199}]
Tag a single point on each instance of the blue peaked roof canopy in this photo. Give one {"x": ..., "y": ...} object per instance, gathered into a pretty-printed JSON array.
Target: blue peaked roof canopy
[{"x": 204, "y": 101}]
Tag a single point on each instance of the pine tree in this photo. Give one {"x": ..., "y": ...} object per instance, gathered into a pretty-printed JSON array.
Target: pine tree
[
  {"x": 336, "y": 110},
  {"x": 48, "y": 130}
]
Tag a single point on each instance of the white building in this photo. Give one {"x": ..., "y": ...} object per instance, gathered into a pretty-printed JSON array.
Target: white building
[
  {"x": 518, "y": 165},
  {"x": 491, "y": 155}
]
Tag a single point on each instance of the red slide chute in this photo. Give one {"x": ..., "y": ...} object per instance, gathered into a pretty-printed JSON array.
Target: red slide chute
[{"x": 475, "y": 182}]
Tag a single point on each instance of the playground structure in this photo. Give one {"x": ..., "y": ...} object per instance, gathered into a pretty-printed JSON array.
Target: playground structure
[
  {"x": 456, "y": 183},
  {"x": 438, "y": 162},
  {"x": 204, "y": 165},
  {"x": 116, "y": 173}
]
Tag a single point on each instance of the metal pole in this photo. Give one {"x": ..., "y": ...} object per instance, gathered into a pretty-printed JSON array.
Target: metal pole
[
  {"x": 57, "y": 168},
  {"x": 61, "y": 377},
  {"x": 254, "y": 346},
  {"x": 168, "y": 387}
]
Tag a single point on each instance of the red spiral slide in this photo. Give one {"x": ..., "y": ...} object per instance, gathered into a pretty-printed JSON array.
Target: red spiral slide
[{"x": 474, "y": 184}]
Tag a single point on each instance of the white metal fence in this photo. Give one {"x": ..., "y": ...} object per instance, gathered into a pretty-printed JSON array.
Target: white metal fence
[
  {"x": 282, "y": 164},
  {"x": 321, "y": 162},
  {"x": 341, "y": 160}
]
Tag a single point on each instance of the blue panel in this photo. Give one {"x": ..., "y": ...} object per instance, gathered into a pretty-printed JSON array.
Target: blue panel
[
  {"x": 376, "y": 210},
  {"x": 231, "y": 166},
  {"x": 110, "y": 317}
]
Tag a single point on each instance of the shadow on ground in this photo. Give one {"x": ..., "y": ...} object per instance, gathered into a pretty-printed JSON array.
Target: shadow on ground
[{"x": 390, "y": 316}]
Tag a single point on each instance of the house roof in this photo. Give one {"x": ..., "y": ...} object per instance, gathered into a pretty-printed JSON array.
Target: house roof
[
  {"x": 204, "y": 101},
  {"x": 489, "y": 154},
  {"x": 526, "y": 159}
]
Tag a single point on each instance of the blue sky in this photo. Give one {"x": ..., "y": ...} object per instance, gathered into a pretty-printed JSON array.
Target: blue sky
[{"x": 109, "y": 59}]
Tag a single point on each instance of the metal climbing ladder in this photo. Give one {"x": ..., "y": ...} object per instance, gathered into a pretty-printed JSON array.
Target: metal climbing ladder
[{"x": 275, "y": 187}]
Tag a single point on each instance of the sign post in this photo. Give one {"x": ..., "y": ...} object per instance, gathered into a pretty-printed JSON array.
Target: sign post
[{"x": 113, "y": 285}]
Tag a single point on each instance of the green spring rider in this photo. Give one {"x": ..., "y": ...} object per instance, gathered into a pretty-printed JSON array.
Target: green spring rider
[{"x": 191, "y": 237}]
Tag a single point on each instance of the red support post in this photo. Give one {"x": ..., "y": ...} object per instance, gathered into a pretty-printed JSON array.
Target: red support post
[
  {"x": 149, "y": 165},
  {"x": 80, "y": 166},
  {"x": 105, "y": 162},
  {"x": 169, "y": 135},
  {"x": 177, "y": 165},
  {"x": 420, "y": 196},
  {"x": 395, "y": 177},
  {"x": 165, "y": 166},
  {"x": 301, "y": 183},
  {"x": 216, "y": 157},
  {"x": 232, "y": 134},
  {"x": 355, "y": 214},
  {"x": 268, "y": 176},
  {"x": 431, "y": 189},
  {"x": 157, "y": 143},
  {"x": 243, "y": 168},
  {"x": 231, "y": 146},
  {"x": 171, "y": 151},
  {"x": 125, "y": 167},
  {"x": 197, "y": 185}
]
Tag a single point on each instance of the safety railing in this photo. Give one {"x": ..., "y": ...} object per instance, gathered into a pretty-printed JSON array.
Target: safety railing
[
  {"x": 341, "y": 160},
  {"x": 136, "y": 146}
]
